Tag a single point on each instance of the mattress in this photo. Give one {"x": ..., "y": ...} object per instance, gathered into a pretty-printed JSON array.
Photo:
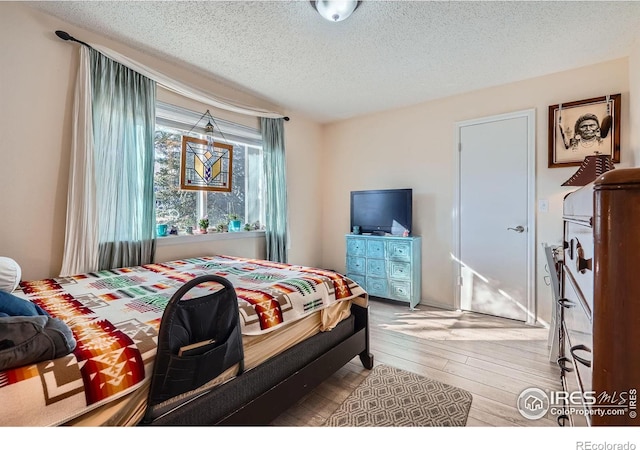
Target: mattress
[{"x": 115, "y": 316}]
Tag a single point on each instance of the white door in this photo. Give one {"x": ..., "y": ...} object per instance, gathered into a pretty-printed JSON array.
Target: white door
[{"x": 494, "y": 226}]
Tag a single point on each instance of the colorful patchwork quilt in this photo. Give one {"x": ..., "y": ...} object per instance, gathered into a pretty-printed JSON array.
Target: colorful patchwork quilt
[{"x": 115, "y": 316}]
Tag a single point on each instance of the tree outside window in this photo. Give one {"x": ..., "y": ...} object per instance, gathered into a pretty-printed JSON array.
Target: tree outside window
[{"x": 181, "y": 208}]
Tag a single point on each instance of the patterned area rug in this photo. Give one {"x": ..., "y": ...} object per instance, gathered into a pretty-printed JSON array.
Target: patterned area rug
[{"x": 390, "y": 397}]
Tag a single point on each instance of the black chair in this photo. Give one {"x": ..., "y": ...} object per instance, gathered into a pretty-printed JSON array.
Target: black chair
[{"x": 198, "y": 340}]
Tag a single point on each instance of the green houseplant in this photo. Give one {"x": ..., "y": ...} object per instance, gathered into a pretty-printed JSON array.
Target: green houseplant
[{"x": 203, "y": 224}]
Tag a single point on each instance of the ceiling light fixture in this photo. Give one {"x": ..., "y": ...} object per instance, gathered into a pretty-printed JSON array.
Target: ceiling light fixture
[{"x": 335, "y": 10}]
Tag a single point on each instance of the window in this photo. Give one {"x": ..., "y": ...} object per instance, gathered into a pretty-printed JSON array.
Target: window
[{"x": 182, "y": 208}]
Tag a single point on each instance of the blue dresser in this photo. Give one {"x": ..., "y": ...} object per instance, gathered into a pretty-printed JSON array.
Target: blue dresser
[{"x": 386, "y": 266}]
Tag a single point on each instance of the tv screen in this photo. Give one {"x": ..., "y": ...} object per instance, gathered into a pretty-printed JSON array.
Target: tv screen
[{"x": 382, "y": 211}]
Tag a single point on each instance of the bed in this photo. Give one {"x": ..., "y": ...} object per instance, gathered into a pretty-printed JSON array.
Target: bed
[{"x": 299, "y": 325}]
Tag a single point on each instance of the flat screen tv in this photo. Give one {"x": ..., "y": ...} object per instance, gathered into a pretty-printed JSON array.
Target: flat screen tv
[{"x": 382, "y": 211}]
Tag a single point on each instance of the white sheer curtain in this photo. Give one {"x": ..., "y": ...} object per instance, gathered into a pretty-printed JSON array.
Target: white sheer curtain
[
  {"x": 81, "y": 234},
  {"x": 110, "y": 210},
  {"x": 186, "y": 90}
]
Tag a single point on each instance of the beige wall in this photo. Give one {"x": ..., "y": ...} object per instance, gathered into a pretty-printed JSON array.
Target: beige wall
[
  {"x": 37, "y": 76},
  {"x": 414, "y": 147},
  {"x": 306, "y": 187}
]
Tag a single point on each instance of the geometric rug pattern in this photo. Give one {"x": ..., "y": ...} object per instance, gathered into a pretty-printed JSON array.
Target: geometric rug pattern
[{"x": 390, "y": 397}]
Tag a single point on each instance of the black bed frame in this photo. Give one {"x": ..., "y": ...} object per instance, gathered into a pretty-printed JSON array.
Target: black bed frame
[{"x": 259, "y": 395}]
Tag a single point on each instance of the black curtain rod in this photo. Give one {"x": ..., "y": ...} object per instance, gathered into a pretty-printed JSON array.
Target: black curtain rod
[{"x": 67, "y": 37}]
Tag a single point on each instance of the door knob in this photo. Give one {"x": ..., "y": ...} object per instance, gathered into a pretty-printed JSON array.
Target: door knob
[{"x": 518, "y": 229}]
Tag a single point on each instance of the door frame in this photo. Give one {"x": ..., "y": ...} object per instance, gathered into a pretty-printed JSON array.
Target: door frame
[{"x": 530, "y": 115}]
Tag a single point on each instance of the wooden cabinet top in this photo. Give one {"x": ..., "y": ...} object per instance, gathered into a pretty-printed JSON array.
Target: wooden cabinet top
[{"x": 578, "y": 204}]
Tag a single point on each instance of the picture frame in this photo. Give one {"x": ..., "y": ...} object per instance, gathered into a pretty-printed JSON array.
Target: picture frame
[
  {"x": 585, "y": 127},
  {"x": 205, "y": 165}
]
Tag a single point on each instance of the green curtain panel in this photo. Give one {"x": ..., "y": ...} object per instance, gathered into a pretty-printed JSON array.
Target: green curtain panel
[
  {"x": 276, "y": 182},
  {"x": 123, "y": 106}
]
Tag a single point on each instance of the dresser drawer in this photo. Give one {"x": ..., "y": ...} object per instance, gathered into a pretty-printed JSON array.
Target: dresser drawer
[
  {"x": 400, "y": 290},
  {"x": 399, "y": 251},
  {"x": 376, "y": 268},
  {"x": 356, "y": 246},
  {"x": 377, "y": 287},
  {"x": 375, "y": 248},
  {"x": 356, "y": 264},
  {"x": 399, "y": 270},
  {"x": 360, "y": 279},
  {"x": 578, "y": 260}
]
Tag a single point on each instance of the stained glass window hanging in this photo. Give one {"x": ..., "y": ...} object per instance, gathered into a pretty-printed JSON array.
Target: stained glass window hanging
[{"x": 206, "y": 165}]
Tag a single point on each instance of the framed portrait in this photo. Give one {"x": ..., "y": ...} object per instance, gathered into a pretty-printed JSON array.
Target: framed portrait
[
  {"x": 582, "y": 128},
  {"x": 205, "y": 166}
]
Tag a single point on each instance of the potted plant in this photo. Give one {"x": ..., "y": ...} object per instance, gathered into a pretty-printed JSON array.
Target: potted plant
[
  {"x": 234, "y": 222},
  {"x": 203, "y": 224}
]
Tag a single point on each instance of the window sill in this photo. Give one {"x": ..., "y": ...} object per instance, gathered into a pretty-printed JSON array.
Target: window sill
[{"x": 190, "y": 238}]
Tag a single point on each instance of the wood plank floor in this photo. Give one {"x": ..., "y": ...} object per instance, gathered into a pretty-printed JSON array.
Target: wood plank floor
[{"x": 495, "y": 359}]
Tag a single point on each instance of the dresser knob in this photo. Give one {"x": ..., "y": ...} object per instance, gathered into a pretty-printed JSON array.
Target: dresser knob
[{"x": 582, "y": 264}]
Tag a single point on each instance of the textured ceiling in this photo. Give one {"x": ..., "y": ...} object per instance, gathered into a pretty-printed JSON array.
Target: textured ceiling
[{"x": 388, "y": 54}]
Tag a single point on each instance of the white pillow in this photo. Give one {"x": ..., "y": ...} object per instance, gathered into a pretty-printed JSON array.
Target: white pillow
[{"x": 10, "y": 274}]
